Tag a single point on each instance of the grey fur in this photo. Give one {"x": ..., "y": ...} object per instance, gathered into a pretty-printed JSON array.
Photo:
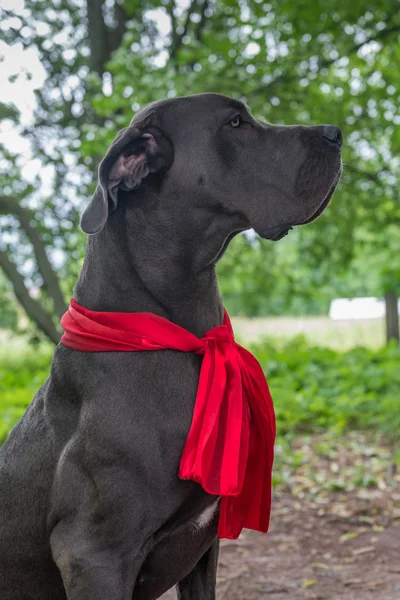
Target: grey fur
[{"x": 90, "y": 503}]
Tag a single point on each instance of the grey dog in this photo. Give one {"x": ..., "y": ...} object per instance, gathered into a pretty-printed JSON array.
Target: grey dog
[{"x": 91, "y": 506}]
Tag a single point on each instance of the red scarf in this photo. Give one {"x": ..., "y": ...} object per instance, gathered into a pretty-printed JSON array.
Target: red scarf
[{"x": 229, "y": 449}]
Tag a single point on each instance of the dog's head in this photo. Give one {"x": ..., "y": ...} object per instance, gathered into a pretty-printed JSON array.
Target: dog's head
[{"x": 208, "y": 153}]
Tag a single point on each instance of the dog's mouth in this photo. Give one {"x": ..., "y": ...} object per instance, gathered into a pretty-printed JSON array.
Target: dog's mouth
[{"x": 278, "y": 233}]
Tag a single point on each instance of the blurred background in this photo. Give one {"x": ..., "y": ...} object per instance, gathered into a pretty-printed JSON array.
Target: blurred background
[{"x": 319, "y": 308}]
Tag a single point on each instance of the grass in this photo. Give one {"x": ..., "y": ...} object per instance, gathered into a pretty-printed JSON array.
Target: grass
[{"x": 318, "y": 331}]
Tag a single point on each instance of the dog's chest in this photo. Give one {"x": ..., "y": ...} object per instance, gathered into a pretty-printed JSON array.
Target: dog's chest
[
  {"x": 206, "y": 516},
  {"x": 177, "y": 552}
]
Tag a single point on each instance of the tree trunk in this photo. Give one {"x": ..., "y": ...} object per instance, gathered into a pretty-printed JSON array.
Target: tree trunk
[
  {"x": 50, "y": 278},
  {"x": 32, "y": 308},
  {"x": 103, "y": 40},
  {"x": 98, "y": 36},
  {"x": 392, "y": 317}
]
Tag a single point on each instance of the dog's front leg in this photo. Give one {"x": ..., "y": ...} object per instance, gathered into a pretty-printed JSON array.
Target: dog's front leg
[
  {"x": 89, "y": 572},
  {"x": 201, "y": 582}
]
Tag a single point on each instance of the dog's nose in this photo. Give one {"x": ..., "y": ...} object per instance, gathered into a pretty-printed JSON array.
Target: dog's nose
[{"x": 333, "y": 134}]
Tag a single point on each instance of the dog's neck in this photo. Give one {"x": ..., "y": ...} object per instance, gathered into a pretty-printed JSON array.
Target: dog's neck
[{"x": 159, "y": 263}]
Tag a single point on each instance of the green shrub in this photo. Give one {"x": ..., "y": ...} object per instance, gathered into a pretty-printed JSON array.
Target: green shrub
[
  {"x": 22, "y": 372},
  {"x": 317, "y": 388}
]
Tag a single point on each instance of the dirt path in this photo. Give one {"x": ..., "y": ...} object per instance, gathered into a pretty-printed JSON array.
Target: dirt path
[{"x": 345, "y": 548}]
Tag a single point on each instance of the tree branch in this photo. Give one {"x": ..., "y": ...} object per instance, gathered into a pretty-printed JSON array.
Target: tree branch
[
  {"x": 286, "y": 76},
  {"x": 103, "y": 41},
  {"x": 200, "y": 25},
  {"x": 97, "y": 33},
  {"x": 177, "y": 39},
  {"x": 33, "y": 309},
  {"x": 25, "y": 215},
  {"x": 170, "y": 10},
  {"x": 116, "y": 34}
]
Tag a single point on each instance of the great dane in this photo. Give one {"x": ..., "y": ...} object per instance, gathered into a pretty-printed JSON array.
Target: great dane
[{"x": 91, "y": 506}]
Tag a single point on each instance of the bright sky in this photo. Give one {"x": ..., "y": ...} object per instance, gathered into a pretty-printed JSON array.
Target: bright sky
[{"x": 15, "y": 60}]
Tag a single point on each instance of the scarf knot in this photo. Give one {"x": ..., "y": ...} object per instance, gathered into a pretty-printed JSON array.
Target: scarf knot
[
  {"x": 229, "y": 448},
  {"x": 220, "y": 335}
]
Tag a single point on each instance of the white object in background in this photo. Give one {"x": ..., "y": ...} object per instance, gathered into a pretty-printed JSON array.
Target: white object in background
[{"x": 357, "y": 308}]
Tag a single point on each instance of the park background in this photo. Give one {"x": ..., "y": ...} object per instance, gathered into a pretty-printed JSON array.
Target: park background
[{"x": 72, "y": 73}]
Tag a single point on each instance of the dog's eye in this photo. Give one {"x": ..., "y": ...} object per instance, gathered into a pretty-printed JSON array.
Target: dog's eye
[{"x": 236, "y": 121}]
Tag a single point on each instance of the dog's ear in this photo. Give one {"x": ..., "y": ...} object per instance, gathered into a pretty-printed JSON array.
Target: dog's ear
[{"x": 134, "y": 154}]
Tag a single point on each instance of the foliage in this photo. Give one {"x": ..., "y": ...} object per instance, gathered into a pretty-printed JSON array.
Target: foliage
[
  {"x": 293, "y": 62},
  {"x": 8, "y": 314},
  {"x": 318, "y": 388},
  {"x": 258, "y": 278},
  {"x": 22, "y": 372}
]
